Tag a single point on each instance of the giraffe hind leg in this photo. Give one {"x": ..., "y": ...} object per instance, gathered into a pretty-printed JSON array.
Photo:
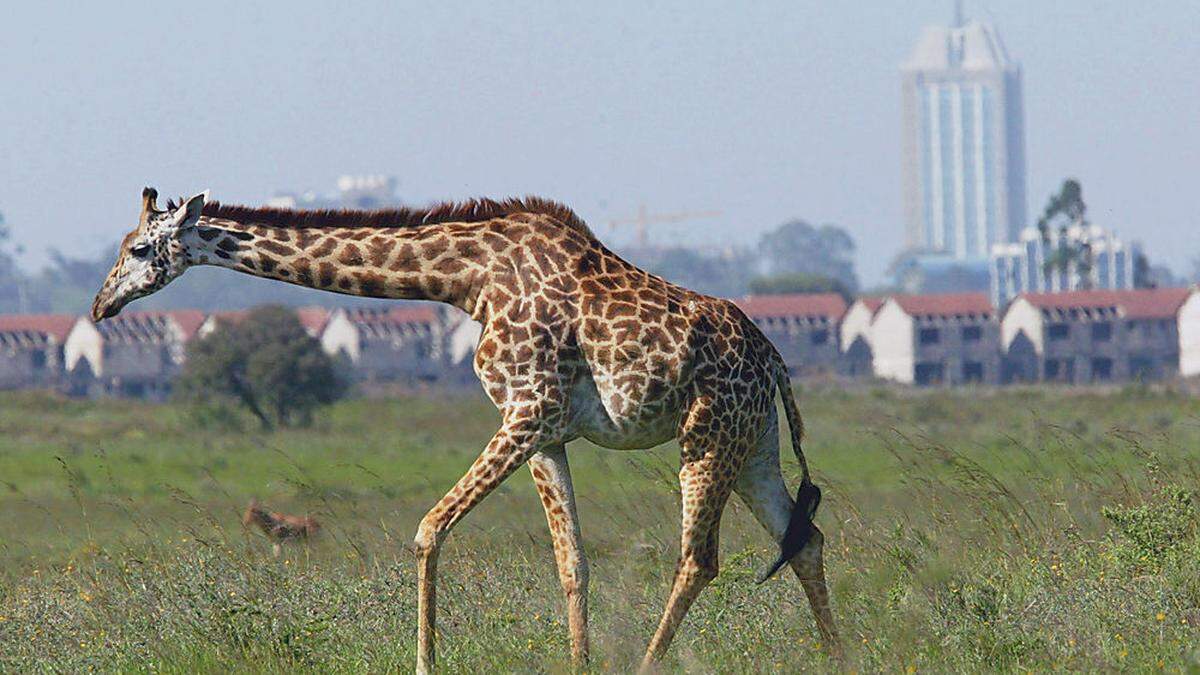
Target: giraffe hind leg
[{"x": 762, "y": 489}]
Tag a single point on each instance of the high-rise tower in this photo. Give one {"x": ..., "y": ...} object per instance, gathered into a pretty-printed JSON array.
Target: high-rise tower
[{"x": 964, "y": 142}]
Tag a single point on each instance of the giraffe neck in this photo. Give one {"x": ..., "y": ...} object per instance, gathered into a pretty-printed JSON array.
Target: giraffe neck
[{"x": 441, "y": 262}]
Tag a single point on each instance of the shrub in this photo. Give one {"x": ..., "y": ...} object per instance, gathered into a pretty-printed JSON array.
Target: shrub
[
  {"x": 266, "y": 364},
  {"x": 1148, "y": 534}
]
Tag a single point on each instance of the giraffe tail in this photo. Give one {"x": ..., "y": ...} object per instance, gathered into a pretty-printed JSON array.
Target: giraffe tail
[{"x": 808, "y": 496}]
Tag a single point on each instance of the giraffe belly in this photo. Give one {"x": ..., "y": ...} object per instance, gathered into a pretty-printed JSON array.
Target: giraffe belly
[{"x": 619, "y": 422}]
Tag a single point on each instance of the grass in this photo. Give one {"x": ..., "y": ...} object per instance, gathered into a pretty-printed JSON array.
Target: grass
[{"x": 984, "y": 530}]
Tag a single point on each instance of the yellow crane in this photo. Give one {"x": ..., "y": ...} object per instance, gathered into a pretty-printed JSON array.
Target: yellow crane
[{"x": 645, "y": 218}]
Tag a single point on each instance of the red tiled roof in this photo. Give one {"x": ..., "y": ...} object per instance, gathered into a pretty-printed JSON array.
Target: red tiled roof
[
  {"x": 189, "y": 320},
  {"x": 1146, "y": 303},
  {"x": 313, "y": 318},
  {"x": 829, "y": 305},
  {"x": 871, "y": 303},
  {"x": 944, "y": 304},
  {"x": 149, "y": 325},
  {"x": 56, "y": 325}
]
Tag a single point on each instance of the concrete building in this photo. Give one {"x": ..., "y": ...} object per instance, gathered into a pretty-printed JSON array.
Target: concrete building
[
  {"x": 964, "y": 142},
  {"x": 1189, "y": 335},
  {"x": 1027, "y": 266},
  {"x": 803, "y": 327},
  {"x": 937, "y": 339},
  {"x": 353, "y": 192},
  {"x": 858, "y": 356},
  {"x": 1082, "y": 337},
  {"x": 404, "y": 343},
  {"x": 131, "y": 354},
  {"x": 31, "y": 348}
]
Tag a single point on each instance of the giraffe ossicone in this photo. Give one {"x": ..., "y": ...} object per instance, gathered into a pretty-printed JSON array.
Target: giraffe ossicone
[{"x": 576, "y": 343}]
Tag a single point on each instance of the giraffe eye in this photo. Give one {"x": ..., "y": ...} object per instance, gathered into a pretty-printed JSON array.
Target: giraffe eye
[{"x": 140, "y": 251}]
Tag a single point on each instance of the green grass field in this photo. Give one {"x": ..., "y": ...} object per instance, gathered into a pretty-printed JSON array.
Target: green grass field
[{"x": 967, "y": 531}]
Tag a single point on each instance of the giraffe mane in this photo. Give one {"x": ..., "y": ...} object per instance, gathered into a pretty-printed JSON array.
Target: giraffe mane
[{"x": 469, "y": 211}]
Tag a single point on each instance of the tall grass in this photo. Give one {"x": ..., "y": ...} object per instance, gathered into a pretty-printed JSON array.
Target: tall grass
[{"x": 1014, "y": 531}]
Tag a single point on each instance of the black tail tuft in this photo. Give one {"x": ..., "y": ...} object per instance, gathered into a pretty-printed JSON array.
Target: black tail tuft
[{"x": 799, "y": 529}]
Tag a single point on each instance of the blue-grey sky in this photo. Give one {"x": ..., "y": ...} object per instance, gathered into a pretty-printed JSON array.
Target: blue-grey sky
[{"x": 764, "y": 111}]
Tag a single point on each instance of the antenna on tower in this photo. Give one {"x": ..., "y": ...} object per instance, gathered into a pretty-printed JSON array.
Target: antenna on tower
[{"x": 958, "y": 14}]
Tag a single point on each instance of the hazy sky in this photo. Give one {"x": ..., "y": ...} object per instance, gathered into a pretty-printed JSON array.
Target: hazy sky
[{"x": 764, "y": 111}]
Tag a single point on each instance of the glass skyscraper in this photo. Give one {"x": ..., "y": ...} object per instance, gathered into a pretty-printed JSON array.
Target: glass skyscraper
[{"x": 964, "y": 147}]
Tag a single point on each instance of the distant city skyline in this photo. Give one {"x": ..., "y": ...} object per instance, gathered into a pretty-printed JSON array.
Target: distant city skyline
[{"x": 771, "y": 112}]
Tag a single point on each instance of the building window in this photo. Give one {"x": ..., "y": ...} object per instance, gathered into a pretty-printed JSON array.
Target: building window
[
  {"x": 820, "y": 337},
  {"x": 1101, "y": 332},
  {"x": 1141, "y": 367},
  {"x": 1101, "y": 370},
  {"x": 38, "y": 358},
  {"x": 929, "y": 373},
  {"x": 972, "y": 333},
  {"x": 1060, "y": 370},
  {"x": 1058, "y": 331},
  {"x": 972, "y": 371},
  {"x": 929, "y": 336}
]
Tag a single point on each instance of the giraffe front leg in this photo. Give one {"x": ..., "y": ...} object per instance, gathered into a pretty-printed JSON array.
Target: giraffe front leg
[
  {"x": 552, "y": 476},
  {"x": 508, "y": 450}
]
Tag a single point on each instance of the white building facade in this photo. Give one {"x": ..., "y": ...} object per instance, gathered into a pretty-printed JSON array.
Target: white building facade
[{"x": 1028, "y": 265}]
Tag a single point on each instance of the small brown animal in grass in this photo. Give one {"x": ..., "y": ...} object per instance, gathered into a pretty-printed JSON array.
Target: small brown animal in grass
[{"x": 279, "y": 527}]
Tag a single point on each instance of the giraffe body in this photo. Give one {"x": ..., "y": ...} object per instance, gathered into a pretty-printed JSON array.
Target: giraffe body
[{"x": 576, "y": 343}]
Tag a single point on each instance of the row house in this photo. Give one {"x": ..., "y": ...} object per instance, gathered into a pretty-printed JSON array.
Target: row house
[
  {"x": 803, "y": 327},
  {"x": 394, "y": 343},
  {"x": 858, "y": 354},
  {"x": 131, "y": 354},
  {"x": 1096, "y": 336},
  {"x": 945, "y": 339},
  {"x": 31, "y": 347}
]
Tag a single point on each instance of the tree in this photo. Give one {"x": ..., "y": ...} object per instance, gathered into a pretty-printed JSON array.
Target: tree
[
  {"x": 13, "y": 284},
  {"x": 716, "y": 273},
  {"x": 797, "y": 247},
  {"x": 799, "y": 283},
  {"x": 267, "y": 364},
  {"x": 1068, "y": 208}
]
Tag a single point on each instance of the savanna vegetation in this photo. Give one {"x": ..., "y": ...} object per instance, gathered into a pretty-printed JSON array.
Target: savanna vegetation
[{"x": 971, "y": 531}]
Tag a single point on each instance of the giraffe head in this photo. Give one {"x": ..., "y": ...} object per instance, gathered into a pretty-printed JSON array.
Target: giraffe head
[{"x": 151, "y": 256}]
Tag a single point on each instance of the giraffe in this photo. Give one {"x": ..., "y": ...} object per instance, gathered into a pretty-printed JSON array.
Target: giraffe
[{"x": 575, "y": 343}]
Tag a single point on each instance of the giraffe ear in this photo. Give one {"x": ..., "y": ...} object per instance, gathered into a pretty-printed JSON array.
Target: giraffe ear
[{"x": 188, "y": 213}]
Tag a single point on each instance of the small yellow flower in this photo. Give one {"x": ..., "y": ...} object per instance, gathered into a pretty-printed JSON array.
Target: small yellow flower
[
  {"x": 1160, "y": 616},
  {"x": 910, "y": 669},
  {"x": 1124, "y": 653}
]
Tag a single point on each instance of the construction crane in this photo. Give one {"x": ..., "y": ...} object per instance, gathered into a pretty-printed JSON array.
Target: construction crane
[{"x": 644, "y": 218}]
